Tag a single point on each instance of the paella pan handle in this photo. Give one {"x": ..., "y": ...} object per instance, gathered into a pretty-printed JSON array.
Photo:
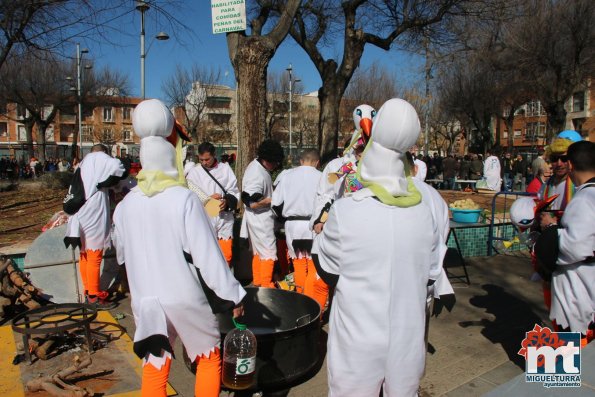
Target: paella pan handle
[{"x": 302, "y": 320}]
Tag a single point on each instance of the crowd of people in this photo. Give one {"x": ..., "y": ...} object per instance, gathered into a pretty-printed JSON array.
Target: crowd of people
[
  {"x": 12, "y": 169},
  {"x": 515, "y": 171},
  {"x": 173, "y": 234}
]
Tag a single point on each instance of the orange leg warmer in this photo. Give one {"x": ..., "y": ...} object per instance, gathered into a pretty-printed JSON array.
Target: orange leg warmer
[
  {"x": 300, "y": 272},
  {"x": 315, "y": 287},
  {"x": 256, "y": 271},
  {"x": 208, "y": 375},
  {"x": 154, "y": 383},
  {"x": 83, "y": 271},
  {"x": 225, "y": 246},
  {"x": 266, "y": 273},
  {"x": 90, "y": 266}
]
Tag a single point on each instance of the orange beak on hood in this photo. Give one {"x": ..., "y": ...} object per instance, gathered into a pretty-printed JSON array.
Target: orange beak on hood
[
  {"x": 543, "y": 204},
  {"x": 366, "y": 126},
  {"x": 178, "y": 132}
]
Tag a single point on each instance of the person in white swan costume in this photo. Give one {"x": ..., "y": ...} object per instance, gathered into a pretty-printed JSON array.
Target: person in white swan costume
[
  {"x": 376, "y": 330},
  {"x": 177, "y": 274}
]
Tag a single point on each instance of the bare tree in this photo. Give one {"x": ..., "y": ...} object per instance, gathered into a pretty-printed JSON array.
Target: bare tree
[
  {"x": 46, "y": 27},
  {"x": 373, "y": 85},
  {"x": 189, "y": 90},
  {"x": 107, "y": 136},
  {"x": 376, "y": 22},
  {"x": 250, "y": 56},
  {"x": 277, "y": 114},
  {"x": 39, "y": 87},
  {"x": 108, "y": 82},
  {"x": 554, "y": 48},
  {"x": 466, "y": 92}
]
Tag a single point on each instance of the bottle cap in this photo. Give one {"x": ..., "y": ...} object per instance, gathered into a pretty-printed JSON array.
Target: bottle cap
[{"x": 241, "y": 327}]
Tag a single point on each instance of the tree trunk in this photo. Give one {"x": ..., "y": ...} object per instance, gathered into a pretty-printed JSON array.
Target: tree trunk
[
  {"x": 41, "y": 142},
  {"x": 556, "y": 119},
  {"x": 509, "y": 125},
  {"x": 29, "y": 136},
  {"x": 250, "y": 65},
  {"x": 328, "y": 133}
]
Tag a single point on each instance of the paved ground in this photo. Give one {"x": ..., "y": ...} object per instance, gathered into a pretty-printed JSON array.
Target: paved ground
[{"x": 472, "y": 350}]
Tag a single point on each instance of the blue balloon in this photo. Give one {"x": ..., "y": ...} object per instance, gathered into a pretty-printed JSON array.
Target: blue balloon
[{"x": 571, "y": 135}]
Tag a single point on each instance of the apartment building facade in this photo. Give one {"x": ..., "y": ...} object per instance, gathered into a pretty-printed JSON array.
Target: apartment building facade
[
  {"x": 106, "y": 120},
  {"x": 529, "y": 126}
]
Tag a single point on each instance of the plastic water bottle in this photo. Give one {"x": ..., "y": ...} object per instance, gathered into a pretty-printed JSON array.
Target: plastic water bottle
[{"x": 239, "y": 358}]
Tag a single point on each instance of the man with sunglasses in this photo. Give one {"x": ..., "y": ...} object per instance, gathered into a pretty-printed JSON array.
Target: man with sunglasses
[
  {"x": 568, "y": 250},
  {"x": 559, "y": 183},
  {"x": 558, "y": 188}
]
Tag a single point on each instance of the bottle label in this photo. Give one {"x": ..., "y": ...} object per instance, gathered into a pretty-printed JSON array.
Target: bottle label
[{"x": 245, "y": 366}]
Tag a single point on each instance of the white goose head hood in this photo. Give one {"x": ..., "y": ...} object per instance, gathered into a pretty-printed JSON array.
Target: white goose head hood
[
  {"x": 161, "y": 161},
  {"x": 153, "y": 122},
  {"x": 382, "y": 169}
]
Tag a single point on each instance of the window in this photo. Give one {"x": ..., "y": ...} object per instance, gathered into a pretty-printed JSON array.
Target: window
[
  {"x": 220, "y": 102},
  {"x": 517, "y": 133},
  {"x": 87, "y": 133},
  {"x": 3, "y": 129},
  {"x": 126, "y": 112},
  {"x": 108, "y": 135},
  {"x": 578, "y": 101},
  {"x": 45, "y": 112},
  {"x": 21, "y": 133},
  {"x": 219, "y": 119},
  {"x": 127, "y": 136},
  {"x": 49, "y": 134},
  {"x": 66, "y": 132},
  {"x": 535, "y": 131},
  {"x": 534, "y": 108},
  {"x": 108, "y": 114},
  {"x": 505, "y": 134},
  {"x": 21, "y": 112}
]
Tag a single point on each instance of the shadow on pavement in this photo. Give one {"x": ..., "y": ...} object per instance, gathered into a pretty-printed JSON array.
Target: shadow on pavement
[{"x": 513, "y": 318}]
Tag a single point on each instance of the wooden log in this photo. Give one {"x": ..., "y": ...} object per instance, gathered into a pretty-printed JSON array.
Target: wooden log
[
  {"x": 43, "y": 350},
  {"x": 56, "y": 384}
]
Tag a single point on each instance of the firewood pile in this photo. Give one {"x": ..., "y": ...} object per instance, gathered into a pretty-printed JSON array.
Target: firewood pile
[{"x": 16, "y": 290}]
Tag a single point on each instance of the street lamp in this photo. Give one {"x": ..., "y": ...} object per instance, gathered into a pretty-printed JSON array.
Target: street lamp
[
  {"x": 291, "y": 82},
  {"x": 79, "y": 58},
  {"x": 143, "y": 6}
]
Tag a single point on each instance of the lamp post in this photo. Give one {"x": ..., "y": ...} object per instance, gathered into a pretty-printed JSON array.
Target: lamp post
[
  {"x": 428, "y": 76},
  {"x": 291, "y": 82},
  {"x": 143, "y": 6},
  {"x": 79, "y": 58}
]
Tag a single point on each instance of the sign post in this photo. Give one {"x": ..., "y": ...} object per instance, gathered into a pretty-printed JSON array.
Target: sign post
[{"x": 228, "y": 16}]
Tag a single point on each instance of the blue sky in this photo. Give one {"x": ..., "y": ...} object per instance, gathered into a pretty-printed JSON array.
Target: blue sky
[{"x": 204, "y": 48}]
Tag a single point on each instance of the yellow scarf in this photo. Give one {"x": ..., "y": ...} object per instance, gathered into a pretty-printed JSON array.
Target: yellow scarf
[
  {"x": 156, "y": 181},
  {"x": 383, "y": 195}
]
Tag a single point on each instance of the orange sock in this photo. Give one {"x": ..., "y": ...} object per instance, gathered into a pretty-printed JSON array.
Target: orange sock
[
  {"x": 315, "y": 287},
  {"x": 83, "y": 271},
  {"x": 266, "y": 273},
  {"x": 300, "y": 272},
  {"x": 94, "y": 258},
  {"x": 154, "y": 382},
  {"x": 208, "y": 375},
  {"x": 225, "y": 246},
  {"x": 256, "y": 271}
]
